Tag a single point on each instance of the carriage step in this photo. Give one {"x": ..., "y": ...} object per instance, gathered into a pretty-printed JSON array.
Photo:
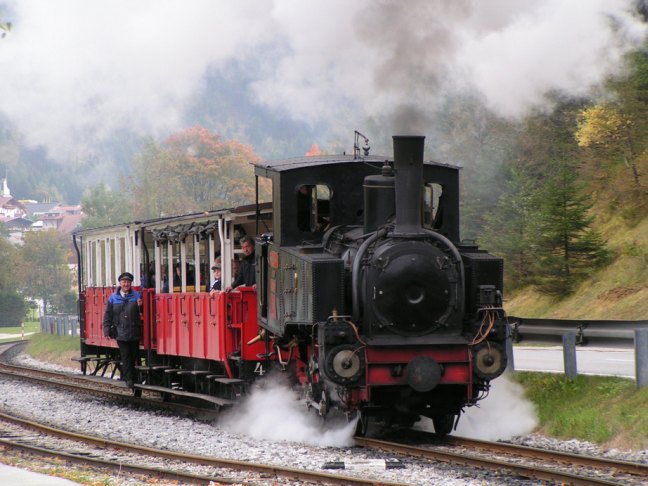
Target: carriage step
[
  {"x": 211, "y": 377},
  {"x": 227, "y": 381},
  {"x": 90, "y": 358},
  {"x": 221, "y": 402}
]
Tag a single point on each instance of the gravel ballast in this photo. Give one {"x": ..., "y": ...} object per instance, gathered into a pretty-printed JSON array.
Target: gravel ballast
[{"x": 271, "y": 427}]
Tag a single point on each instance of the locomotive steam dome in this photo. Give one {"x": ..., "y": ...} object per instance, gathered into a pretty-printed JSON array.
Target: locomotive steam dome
[{"x": 411, "y": 287}]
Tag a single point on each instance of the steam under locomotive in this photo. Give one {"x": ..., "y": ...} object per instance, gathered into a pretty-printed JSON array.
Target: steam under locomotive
[{"x": 364, "y": 293}]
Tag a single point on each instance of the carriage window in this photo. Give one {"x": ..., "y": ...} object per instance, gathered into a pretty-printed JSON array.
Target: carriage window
[
  {"x": 164, "y": 267},
  {"x": 432, "y": 200},
  {"x": 175, "y": 279},
  {"x": 122, "y": 255},
  {"x": 313, "y": 207},
  {"x": 111, "y": 263},
  {"x": 102, "y": 262},
  {"x": 92, "y": 264}
]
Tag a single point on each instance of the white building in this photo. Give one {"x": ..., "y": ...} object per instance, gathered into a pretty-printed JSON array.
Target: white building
[{"x": 10, "y": 208}]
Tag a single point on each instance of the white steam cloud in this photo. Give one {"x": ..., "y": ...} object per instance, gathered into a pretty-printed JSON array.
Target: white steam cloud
[
  {"x": 75, "y": 72},
  {"x": 273, "y": 412},
  {"x": 502, "y": 415},
  {"x": 386, "y": 56}
]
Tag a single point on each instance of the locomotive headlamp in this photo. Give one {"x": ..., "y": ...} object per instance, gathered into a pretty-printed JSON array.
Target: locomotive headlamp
[
  {"x": 344, "y": 364},
  {"x": 489, "y": 360}
]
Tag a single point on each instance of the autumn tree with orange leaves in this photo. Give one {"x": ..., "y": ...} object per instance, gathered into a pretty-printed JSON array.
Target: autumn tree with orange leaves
[{"x": 194, "y": 170}]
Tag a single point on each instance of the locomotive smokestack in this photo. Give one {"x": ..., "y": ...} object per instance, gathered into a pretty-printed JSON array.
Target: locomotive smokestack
[{"x": 408, "y": 165}]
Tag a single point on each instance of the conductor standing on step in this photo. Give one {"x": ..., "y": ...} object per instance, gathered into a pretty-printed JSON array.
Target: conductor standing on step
[{"x": 124, "y": 315}]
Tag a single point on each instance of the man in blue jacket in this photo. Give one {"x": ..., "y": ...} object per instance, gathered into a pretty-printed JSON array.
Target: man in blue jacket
[{"x": 124, "y": 313}]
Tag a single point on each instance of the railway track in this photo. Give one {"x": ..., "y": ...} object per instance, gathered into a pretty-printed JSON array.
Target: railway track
[
  {"x": 519, "y": 462},
  {"x": 121, "y": 457},
  {"x": 99, "y": 386},
  {"x": 532, "y": 463}
]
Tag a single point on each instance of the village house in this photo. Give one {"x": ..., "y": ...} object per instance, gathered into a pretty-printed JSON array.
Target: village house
[{"x": 21, "y": 216}]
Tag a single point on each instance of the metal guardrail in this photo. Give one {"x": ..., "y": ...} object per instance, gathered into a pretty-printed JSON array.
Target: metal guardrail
[
  {"x": 60, "y": 324},
  {"x": 570, "y": 333},
  {"x": 586, "y": 331}
]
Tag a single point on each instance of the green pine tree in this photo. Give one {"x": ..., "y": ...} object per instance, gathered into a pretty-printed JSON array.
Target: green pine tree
[{"x": 566, "y": 248}]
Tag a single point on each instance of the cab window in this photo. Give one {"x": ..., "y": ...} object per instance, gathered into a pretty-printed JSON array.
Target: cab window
[
  {"x": 313, "y": 207},
  {"x": 432, "y": 205}
]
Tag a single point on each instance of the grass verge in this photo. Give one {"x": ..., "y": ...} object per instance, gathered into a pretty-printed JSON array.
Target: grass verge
[
  {"x": 604, "y": 410},
  {"x": 54, "y": 349}
]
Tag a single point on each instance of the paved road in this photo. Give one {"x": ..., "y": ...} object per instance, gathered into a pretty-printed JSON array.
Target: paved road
[{"x": 589, "y": 361}]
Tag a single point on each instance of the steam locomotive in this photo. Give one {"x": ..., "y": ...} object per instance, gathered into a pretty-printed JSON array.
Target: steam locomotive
[{"x": 365, "y": 295}]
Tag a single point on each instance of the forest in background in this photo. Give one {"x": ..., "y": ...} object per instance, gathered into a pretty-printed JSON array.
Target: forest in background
[
  {"x": 561, "y": 195},
  {"x": 571, "y": 218}
]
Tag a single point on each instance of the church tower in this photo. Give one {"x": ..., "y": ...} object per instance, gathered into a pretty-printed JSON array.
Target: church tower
[{"x": 5, "y": 188}]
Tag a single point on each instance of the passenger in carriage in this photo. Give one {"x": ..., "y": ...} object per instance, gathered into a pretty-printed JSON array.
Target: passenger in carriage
[
  {"x": 124, "y": 315},
  {"x": 164, "y": 280},
  {"x": 177, "y": 275},
  {"x": 247, "y": 275},
  {"x": 236, "y": 267},
  {"x": 216, "y": 268},
  {"x": 147, "y": 278}
]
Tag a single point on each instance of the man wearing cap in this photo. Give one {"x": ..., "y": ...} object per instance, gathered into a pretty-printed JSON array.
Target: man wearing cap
[
  {"x": 216, "y": 268},
  {"x": 124, "y": 311}
]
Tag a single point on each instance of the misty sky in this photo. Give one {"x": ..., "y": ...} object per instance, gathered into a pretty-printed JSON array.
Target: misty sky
[{"x": 75, "y": 72}]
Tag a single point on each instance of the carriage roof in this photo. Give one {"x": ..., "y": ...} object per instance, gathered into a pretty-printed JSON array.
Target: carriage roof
[{"x": 303, "y": 162}]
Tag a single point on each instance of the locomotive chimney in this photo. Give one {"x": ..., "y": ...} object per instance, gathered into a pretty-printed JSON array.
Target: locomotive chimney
[{"x": 408, "y": 165}]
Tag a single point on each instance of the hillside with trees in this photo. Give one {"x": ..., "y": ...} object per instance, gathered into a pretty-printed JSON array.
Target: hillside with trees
[
  {"x": 561, "y": 194},
  {"x": 572, "y": 223},
  {"x": 193, "y": 170}
]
